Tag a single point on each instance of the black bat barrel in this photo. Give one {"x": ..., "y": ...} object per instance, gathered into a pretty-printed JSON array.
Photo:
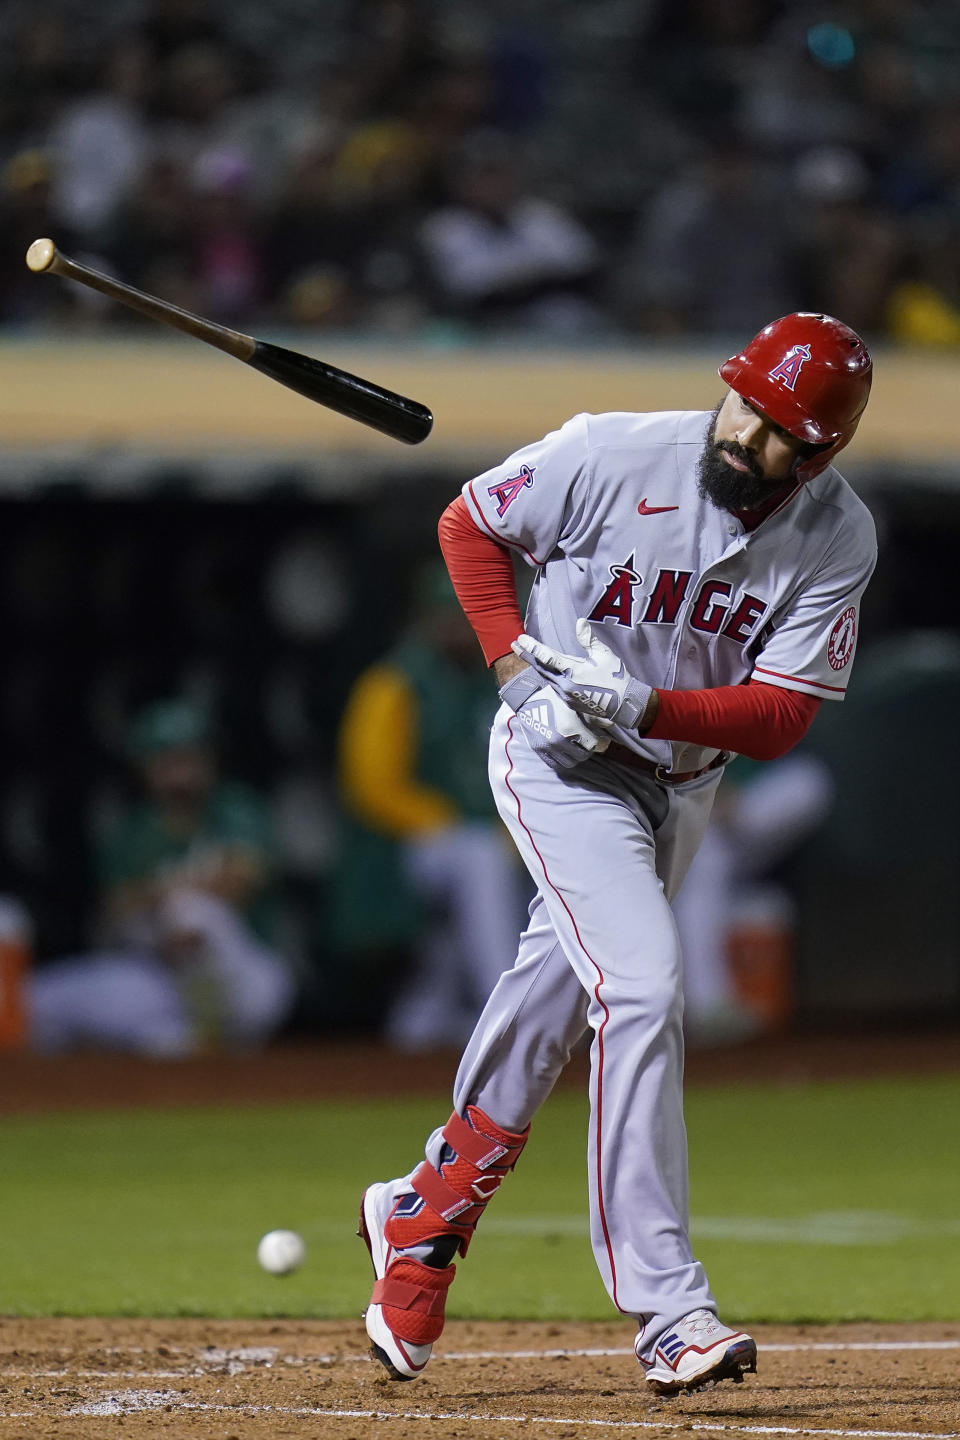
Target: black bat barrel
[{"x": 358, "y": 399}]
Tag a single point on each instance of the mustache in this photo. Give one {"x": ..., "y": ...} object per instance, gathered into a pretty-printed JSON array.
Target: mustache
[{"x": 738, "y": 452}]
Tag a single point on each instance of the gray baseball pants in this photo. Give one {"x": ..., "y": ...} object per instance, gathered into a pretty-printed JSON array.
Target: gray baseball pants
[{"x": 607, "y": 847}]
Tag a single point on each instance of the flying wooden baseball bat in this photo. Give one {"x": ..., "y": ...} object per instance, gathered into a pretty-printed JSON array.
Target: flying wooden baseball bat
[{"x": 358, "y": 399}]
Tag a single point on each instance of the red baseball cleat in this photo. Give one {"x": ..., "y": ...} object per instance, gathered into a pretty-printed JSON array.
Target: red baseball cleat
[{"x": 406, "y": 1311}]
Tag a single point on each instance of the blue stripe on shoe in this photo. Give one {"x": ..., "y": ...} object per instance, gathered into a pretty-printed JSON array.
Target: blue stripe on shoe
[{"x": 671, "y": 1345}]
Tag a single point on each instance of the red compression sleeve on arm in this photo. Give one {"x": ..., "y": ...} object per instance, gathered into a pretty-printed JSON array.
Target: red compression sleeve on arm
[
  {"x": 758, "y": 720},
  {"x": 482, "y": 575}
]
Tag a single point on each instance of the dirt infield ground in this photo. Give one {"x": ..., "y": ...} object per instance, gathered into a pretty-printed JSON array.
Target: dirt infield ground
[
  {"x": 214, "y": 1380},
  {"x": 33, "y": 1084}
]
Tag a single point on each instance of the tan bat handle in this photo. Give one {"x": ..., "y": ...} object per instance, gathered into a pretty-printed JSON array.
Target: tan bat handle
[{"x": 44, "y": 255}]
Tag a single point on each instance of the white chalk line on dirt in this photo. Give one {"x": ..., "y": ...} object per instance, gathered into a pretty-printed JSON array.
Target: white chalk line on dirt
[
  {"x": 265, "y": 1358},
  {"x": 195, "y": 1372},
  {"x": 787, "y": 1349},
  {"x": 133, "y": 1402}
]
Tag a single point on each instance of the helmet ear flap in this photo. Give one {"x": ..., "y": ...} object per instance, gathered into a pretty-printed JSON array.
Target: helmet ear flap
[
  {"x": 811, "y": 459},
  {"x": 818, "y": 457}
]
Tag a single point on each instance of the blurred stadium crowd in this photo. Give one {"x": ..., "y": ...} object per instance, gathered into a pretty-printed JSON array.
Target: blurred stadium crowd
[
  {"x": 615, "y": 168},
  {"x": 578, "y": 171}
]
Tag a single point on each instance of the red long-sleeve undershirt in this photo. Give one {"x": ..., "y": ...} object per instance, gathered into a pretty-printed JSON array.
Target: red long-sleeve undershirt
[
  {"x": 759, "y": 720},
  {"x": 482, "y": 575}
]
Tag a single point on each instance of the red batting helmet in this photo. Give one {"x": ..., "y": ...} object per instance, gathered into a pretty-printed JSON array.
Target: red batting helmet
[{"x": 811, "y": 375}]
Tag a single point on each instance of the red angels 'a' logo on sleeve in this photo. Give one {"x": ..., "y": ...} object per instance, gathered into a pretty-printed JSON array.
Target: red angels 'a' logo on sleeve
[
  {"x": 506, "y": 491},
  {"x": 842, "y": 638}
]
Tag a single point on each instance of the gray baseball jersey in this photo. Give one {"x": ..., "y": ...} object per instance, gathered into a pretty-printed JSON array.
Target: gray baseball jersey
[{"x": 608, "y": 511}]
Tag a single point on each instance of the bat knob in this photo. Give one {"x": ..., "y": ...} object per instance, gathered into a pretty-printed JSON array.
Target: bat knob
[{"x": 41, "y": 255}]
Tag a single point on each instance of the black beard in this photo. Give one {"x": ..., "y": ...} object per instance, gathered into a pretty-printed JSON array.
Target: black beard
[{"x": 726, "y": 487}]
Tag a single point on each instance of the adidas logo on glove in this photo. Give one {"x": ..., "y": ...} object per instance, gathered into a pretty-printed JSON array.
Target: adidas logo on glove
[
  {"x": 538, "y": 718},
  {"x": 597, "y": 701}
]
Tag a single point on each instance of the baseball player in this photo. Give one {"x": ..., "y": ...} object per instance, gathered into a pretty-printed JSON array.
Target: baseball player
[{"x": 697, "y": 592}]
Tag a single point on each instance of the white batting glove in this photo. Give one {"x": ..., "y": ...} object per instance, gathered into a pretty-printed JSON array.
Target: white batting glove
[
  {"x": 597, "y": 685},
  {"x": 553, "y": 730}
]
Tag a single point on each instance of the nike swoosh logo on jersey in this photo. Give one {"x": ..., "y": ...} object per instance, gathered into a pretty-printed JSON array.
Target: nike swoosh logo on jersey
[{"x": 644, "y": 509}]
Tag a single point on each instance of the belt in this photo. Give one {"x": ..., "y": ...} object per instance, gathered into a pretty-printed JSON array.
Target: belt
[{"x": 623, "y": 756}]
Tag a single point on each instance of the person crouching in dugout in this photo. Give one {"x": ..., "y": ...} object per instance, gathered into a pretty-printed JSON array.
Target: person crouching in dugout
[{"x": 185, "y": 960}]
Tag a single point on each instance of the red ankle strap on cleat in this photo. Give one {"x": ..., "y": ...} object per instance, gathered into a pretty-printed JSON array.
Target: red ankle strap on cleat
[
  {"x": 413, "y": 1298},
  {"x": 446, "y": 1202},
  {"x": 483, "y": 1144},
  {"x": 456, "y": 1195}
]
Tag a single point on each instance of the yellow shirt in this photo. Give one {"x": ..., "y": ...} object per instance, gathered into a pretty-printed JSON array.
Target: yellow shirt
[
  {"x": 917, "y": 314},
  {"x": 377, "y": 757}
]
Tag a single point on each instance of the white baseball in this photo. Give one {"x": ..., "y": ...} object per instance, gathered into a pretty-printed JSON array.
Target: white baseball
[{"x": 281, "y": 1251}]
